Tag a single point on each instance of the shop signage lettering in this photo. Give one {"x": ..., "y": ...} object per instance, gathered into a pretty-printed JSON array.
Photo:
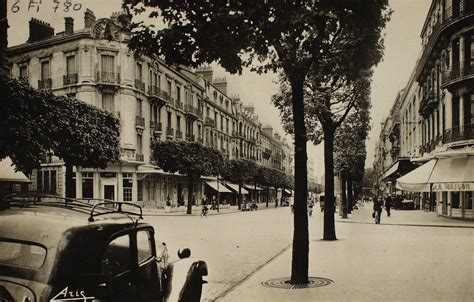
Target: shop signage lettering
[{"x": 460, "y": 186}]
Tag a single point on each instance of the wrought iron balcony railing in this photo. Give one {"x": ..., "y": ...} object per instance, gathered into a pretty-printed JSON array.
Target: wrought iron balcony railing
[
  {"x": 111, "y": 78},
  {"x": 140, "y": 85},
  {"x": 46, "y": 83},
  {"x": 140, "y": 121},
  {"x": 70, "y": 79}
]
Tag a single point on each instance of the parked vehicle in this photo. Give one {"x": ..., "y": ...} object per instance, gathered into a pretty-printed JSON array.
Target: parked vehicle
[
  {"x": 249, "y": 206},
  {"x": 69, "y": 249}
]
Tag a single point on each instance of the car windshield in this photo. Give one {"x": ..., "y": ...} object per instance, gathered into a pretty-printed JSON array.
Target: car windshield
[{"x": 21, "y": 254}]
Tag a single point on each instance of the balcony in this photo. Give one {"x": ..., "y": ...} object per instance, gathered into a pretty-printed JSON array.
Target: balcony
[
  {"x": 209, "y": 122},
  {"x": 191, "y": 111},
  {"x": 179, "y": 105},
  {"x": 46, "y": 83},
  {"x": 179, "y": 134},
  {"x": 139, "y": 157},
  {"x": 158, "y": 127},
  {"x": 140, "y": 85},
  {"x": 170, "y": 132},
  {"x": 200, "y": 140},
  {"x": 70, "y": 79},
  {"x": 153, "y": 90},
  {"x": 431, "y": 145},
  {"x": 450, "y": 17},
  {"x": 108, "y": 78},
  {"x": 140, "y": 122},
  {"x": 190, "y": 137},
  {"x": 456, "y": 75},
  {"x": 429, "y": 101},
  {"x": 459, "y": 133}
]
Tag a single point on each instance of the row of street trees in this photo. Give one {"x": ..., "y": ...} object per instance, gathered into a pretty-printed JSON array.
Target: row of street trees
[
  {"x": 194, "y": 160},
  {"x": 34, "y": 122},
  {"x": 322, "y": 49}
]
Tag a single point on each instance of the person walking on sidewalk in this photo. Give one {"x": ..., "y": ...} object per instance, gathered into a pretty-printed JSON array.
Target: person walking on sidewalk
[
  {"x": 378, "y": 203},
  {"x": 388, "y": 205}
]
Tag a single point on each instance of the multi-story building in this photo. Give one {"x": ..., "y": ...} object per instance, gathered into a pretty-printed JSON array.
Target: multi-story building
[
  {"x": 437, "y": 112},
  {"x": 153, "y": 101}
]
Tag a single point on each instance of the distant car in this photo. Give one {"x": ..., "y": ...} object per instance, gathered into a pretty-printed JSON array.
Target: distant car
[{"x": 53, "y": 250}]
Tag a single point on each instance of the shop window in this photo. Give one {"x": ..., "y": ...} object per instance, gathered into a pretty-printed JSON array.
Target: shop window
[
  {"x": 87, "y": 185},
  {"x": 469, "y": 198},
  {"x": 455, "y": 200}
]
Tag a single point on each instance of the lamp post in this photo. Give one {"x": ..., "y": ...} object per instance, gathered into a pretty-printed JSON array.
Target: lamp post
[{"x": 218, "y": 193}]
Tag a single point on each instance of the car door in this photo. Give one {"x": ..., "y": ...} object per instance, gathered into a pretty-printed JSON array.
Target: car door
[
  {"x": 148, "y": 271},
  {"x": 118, "y": 262}
]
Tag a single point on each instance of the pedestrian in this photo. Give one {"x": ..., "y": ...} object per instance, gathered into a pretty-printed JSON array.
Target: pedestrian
[
  {"x": 388, "y": 205},
  {"x": 378, "y": 203}
]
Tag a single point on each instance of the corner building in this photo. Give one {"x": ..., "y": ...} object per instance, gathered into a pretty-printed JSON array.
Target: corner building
[{"x": 153, "y": 101}]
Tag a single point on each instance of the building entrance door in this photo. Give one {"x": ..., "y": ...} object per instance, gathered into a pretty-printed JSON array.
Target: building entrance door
[{"x": 109, "y": 192}]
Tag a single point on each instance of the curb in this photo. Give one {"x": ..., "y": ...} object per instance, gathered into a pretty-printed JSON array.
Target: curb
[{"x": 413, "y": 225}]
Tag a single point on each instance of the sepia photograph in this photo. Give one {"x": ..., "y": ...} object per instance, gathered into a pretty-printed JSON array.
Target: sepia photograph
[{"x": 236, "y": 150}]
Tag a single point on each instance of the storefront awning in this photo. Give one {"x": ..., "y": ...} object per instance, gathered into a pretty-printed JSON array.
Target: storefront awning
[
  {"x": 453, "y": 174},
  {"x": 418, "y": 179},
  {"x": 219, "y": 187},
  {"x": 8, "y": 173},
  {"x": 235, "y": 188},
  {"x": 391, "y": 171},
  {"x": 251, "y": 187},
  {"x": 288, "y": 192}
]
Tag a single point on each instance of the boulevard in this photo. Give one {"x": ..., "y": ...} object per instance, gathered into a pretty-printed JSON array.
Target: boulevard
[{"x": 411, "y": 256}]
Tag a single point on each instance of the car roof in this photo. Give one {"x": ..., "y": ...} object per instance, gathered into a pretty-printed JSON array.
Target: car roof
[{"x": 46, "y": 225}]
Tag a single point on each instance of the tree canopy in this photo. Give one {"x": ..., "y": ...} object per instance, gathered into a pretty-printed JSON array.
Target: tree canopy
[
  {"x": 34, "y": 122},
  {"x": 290, "y": 36}
]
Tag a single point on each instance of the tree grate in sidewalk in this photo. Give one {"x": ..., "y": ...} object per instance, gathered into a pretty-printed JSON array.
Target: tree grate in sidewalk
[{"x": 284, "y": 283}]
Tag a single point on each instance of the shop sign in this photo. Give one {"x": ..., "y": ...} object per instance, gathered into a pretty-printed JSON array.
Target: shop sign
[
  {"x": 456, "y": 186},
  {"x": 108, "y": 174},
  {"x": 413, "y": 187}
]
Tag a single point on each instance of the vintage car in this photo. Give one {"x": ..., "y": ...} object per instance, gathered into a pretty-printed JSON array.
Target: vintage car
[{"x": 60, "y": 249}]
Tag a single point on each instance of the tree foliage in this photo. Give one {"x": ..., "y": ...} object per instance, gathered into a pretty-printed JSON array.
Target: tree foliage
[
  {"x": 187, "y": 158},
  {"x": 291, "y": 36},
  {"x": 33, "y": 122}
]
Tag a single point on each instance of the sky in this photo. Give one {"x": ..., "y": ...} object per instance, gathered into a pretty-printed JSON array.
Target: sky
[{"x": 402, "y": 48}]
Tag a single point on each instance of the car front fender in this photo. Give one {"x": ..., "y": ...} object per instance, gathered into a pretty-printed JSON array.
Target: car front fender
[{"x": 185, "y": 279}]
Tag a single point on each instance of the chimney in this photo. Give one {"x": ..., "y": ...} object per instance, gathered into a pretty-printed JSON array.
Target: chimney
[
  {"x": 89, "y": 18},
  {"x": 39, "y": 30},
  {"x": 268, "y": 130},
  {"x": 69, "y": 25},
  {"x": 250, "y": 109},
  {"x": 221, "y": 84},
  {"x": 205, "y": 72}
]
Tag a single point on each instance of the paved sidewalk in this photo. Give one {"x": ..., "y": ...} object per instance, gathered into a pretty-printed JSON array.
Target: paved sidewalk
[
  {"x": 404, "y": 217},
  {"x": 403, "y": 261}
]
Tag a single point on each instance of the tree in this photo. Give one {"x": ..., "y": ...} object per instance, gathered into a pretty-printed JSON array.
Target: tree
[
  {"x": 350, "y": 151},
  {"x": 290, "y": 36},
  {"x": 263, "y": 178},
  {"x": 34, "y": 122},
  {"x": 240, "y": 171},
  {"x": 188, "y": 158}
]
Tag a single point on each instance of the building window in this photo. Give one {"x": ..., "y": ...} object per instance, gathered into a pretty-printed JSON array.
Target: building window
[
  {"x": 139, "y": 144},
  {"x": 169, "y": 88},
  {"x": 178, "y": 94},
  {"x": 108, "y": 101},
  {"x": 127, "y": 186},
  {"x": 45, "y": 70},
  {"x": 23, "y": 73},
  {"x": 139, "y": 72},
  {"x": 46, "y": 181},
  {"x": 139, "y": 107},
  {"x": 71, "y": 65},
  {"x": 107, "y": 65},
  {"x": 178, "y": 123},
  {"x": 87, "y": 185},
  {"x": 169, "y": 119}
]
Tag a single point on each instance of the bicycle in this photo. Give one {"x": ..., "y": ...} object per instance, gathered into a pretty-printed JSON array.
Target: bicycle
[{"x": 204, "y": 211}]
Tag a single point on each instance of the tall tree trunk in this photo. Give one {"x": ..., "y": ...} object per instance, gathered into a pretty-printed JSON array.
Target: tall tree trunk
[
  {"x": 329, "y": 232},
  {"x": 342, "y": 178},
  {"x": 350, "y": 196},
  {"x": 299, "y": 263},
  {"x": 70, "y": 184},
  {"x": 190, "y": 194},
  {"x": 267, "y": 196}
]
